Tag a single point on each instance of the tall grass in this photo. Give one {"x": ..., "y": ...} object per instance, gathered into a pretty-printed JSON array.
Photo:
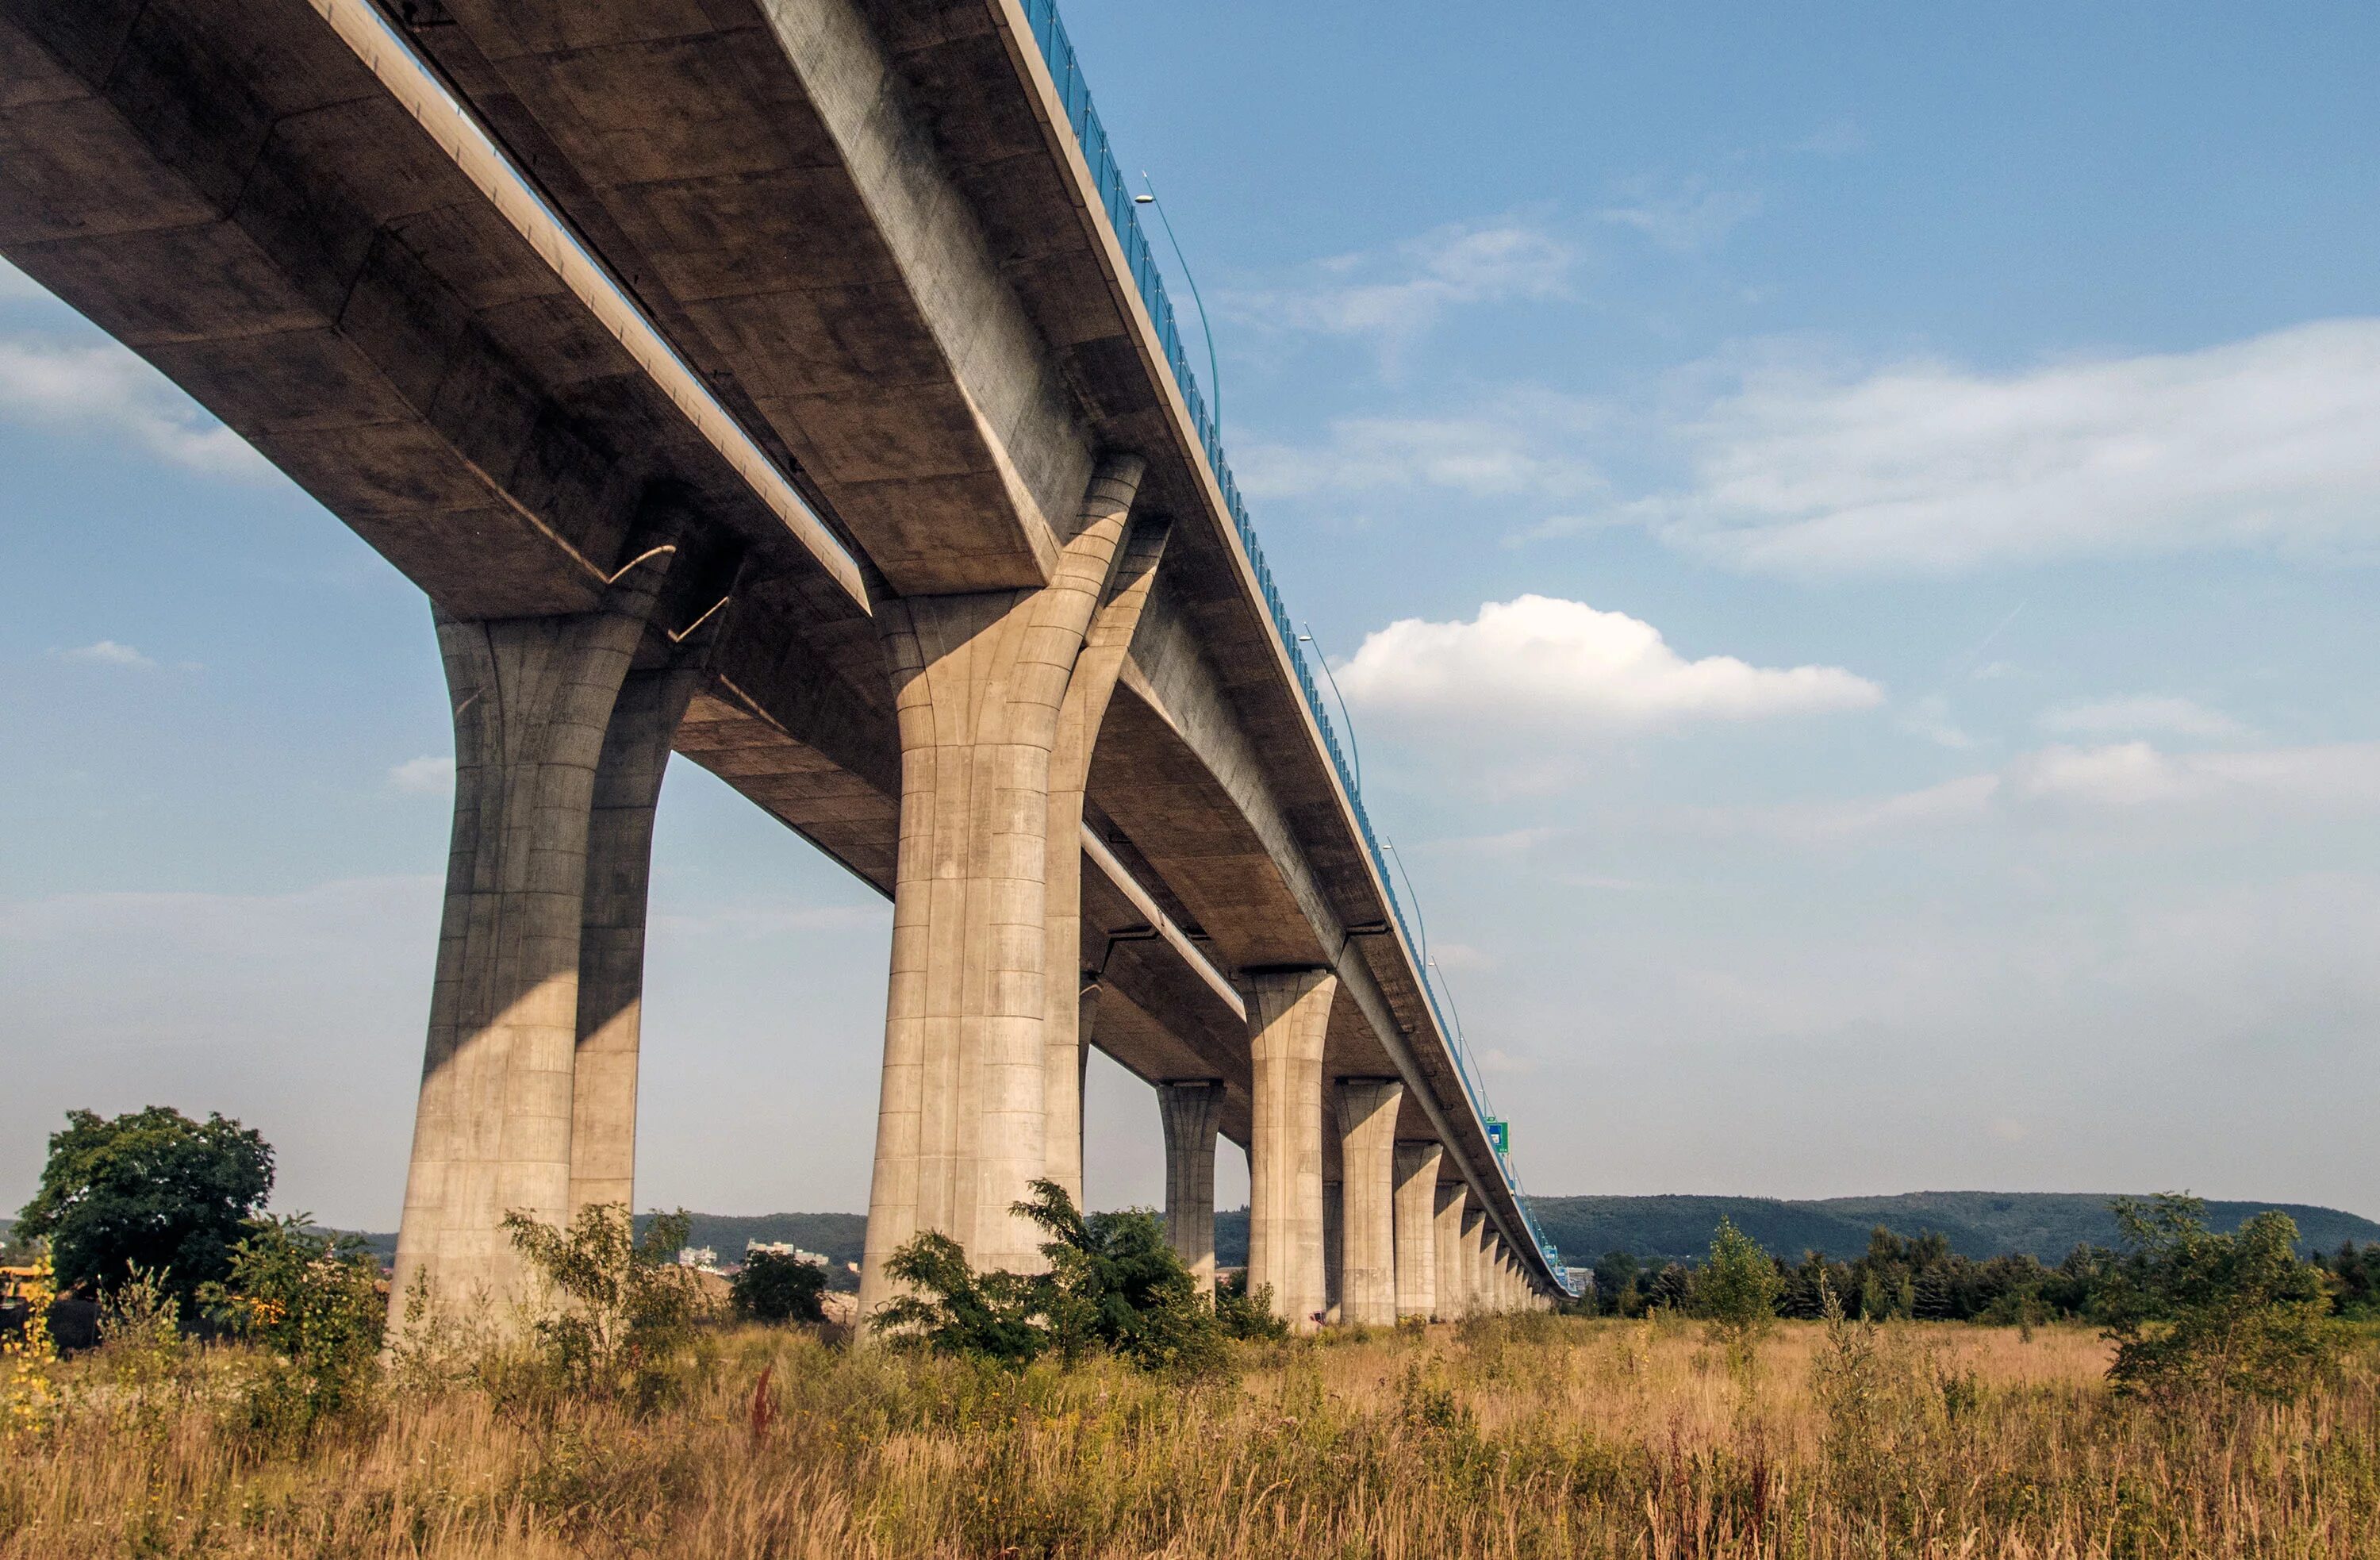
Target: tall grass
[{"x": 1533, "y": 1437}]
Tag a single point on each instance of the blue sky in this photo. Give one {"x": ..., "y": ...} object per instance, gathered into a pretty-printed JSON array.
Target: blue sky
[{"x": 1848, "y": 536}]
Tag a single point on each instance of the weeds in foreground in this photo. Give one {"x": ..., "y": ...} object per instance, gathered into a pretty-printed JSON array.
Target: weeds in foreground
[{"x": 1528, "y": 1437}]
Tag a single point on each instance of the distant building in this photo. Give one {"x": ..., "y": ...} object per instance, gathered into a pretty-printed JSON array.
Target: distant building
[
  {"x": 1582, "y": 1280},
  {"x": 787, "y": 1248},
  {"x": 696, "y": 1257}
]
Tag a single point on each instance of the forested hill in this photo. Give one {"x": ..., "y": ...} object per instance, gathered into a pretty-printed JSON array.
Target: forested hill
[{"x": 1979, "y": 1223}]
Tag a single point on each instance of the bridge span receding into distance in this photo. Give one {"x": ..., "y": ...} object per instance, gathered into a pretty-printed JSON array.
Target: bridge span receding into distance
[{"x": 788, "y": 384}]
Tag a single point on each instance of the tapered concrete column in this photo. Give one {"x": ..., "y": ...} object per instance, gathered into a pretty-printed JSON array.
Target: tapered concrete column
[
  {"x": 978, "y": 682},
  {"x": 1418, "y": 1229},
  {"x": 1066, "y": 1036},
  {"x": 1454, "y": 1286},
  {"x": 1367, "y": 1141},
  {"x": 611, "y": 929},
  {"x": 1289, "y": 1013},
  {"x": 532, "y": 699},
  {"x": 1192, "y": 1113}
]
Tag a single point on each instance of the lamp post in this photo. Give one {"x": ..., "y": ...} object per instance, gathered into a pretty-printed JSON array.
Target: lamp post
[
  {"x": 1354, "y": 752},
  {"x": 1214, "y": 373}
]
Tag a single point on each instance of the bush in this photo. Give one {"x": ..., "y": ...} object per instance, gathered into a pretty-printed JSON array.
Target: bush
[
  {"x": 2194, "y": 1313},
  {"x": 777, "y": 1287},
  {"x": 311, "y": 1300},
  {"x": 150, "y": 1189},
  {"x": 1737, "y": 1289},
  {"x": 1243, "y": 1313},
  {"x": 954, "y": 1309},
  {"x": 1115, "y": 1283},
  {"x": 627, "y": 1311}
]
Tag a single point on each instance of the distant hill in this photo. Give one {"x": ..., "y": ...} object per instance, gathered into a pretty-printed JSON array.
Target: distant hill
[{"x": 1978, "y": 1224}]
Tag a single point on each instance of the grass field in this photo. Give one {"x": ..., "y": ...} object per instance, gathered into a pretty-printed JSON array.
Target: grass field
[{"x": 1534, "y": 1437}]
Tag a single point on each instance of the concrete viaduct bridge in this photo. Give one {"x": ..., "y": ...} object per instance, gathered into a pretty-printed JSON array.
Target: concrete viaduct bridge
[{"x": 787, "y": 383}]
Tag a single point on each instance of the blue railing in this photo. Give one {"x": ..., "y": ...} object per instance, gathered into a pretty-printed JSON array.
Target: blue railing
[{"x": 1074, "y": 94}]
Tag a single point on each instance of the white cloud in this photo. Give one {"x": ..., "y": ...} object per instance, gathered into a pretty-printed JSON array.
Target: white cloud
[
  {"x": 1930, "y": 468},
  {"x": 1399, "y": 292},
  {"x": 1552, "y": 665},
  {"x": 107, "y": 653},
  {"x": 426, "y": 776},
  {"x": 1521, "y": 445},
  {"x": 1686, "y": 218},
  {"x": 1930, "y": 718},
  {"x": 2112, "y": 717},
  {"x": 109, "y": 390}
]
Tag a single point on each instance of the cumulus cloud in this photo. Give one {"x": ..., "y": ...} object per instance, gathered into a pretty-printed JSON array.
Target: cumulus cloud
[
  {"x": 107, "y": 653},
  {"x": 1396, "y": 294},
  {"x": 1518, "y": 446},
  {"x": 1930, "y": 468},
  {"x": 2112, "y": 717},
  {"x": 429, "y": 776},
  {"x": 1552, "y": 664},
  {"x": 108, "y": 390}
]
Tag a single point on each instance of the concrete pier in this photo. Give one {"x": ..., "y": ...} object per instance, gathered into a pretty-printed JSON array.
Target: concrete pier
[
  {"x": 979, "y": 681},
  {"x": 533, "y": 699},
  {"x": 1191, "y": 1113},
  {"x": 1416, "y": 1223},
  {"x": 1289, "y": 1013},
  {"x": 1367, "y": 1141},
  {"x": 645, "y": 719},
  {"x": 1454, "y": 1201}
]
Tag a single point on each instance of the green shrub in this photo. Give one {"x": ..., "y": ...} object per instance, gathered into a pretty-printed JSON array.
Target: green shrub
[
  {"x": 954, "y": 1309},
  {"x": 777, "y": 1287},
  {"x": 311, "y": 1300},
  {"x": 1115, "y": 1283},
  {"x": 2194, "y": 1313},
  {"x": 625, "y": 1311},
  {"x": 1247, "y": 1315},
  {"x": 1736, "y": 1291}
]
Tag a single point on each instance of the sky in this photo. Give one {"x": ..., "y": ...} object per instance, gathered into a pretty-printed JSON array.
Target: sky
[{"x": 1847, "y": 535}]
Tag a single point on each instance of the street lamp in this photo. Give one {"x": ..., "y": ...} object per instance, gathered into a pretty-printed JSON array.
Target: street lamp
[
  {"x": 1354, "y": 752},
  {"x": 1214, "y": 373}
]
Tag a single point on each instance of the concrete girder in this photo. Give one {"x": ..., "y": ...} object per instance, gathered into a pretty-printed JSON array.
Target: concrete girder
[
  {"x": 764, "y": 174},
  {"x": 232, "y": 193}
]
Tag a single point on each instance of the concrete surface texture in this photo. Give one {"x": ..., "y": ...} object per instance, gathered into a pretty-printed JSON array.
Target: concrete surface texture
[
  {"x": 1368, "y": 1126},
  {"x": 1192, "y": 1113},
  {"x": 1416, "y": 1228}
]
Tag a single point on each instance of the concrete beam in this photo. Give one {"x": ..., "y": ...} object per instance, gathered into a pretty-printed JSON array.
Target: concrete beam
[
  {"x": 1191, "y": 1113},
  {"x": 1367, "y": 1128},
  {"x": 1288, "y": 1013},
  {"x": 775, "y": 189},
  {"x": 1416, "y": 1228}
]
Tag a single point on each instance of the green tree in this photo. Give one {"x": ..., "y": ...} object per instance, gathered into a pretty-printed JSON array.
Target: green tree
[
  {"x": 2193, "y": 1312},
  {"x": 1737, "y": 1287},
  {"x": 151, "y": 1190},
  {"x": 777, "y": 1287}
]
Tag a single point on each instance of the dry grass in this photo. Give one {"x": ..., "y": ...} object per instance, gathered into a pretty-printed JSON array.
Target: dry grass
[{"x": 1533, "y": 1437}]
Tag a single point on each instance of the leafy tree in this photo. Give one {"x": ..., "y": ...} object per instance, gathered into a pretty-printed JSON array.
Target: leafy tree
[
  {"x": 777, "y": 1287},
  {"x": 954, "y": 1309},
  {"x": 1737, "y": 1287},
  {"x": 151, "y": 1190},
  {"x": 310, "y": 1298},
  {"x": 2194, "y": 1312},
  {"x": 627, "y": 1309},
  {"x": 1670, "y": 1289}
]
